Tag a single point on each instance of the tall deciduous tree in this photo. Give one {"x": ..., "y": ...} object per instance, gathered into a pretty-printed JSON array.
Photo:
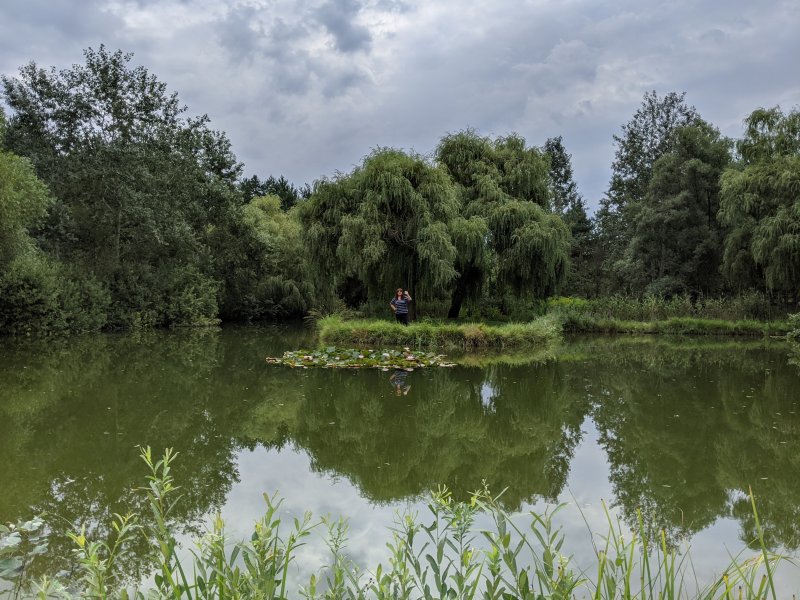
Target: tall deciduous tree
[
  {"x": 263, "y": 267},
  {"x": 568, "y": 202},
  {"x": 564, "y": 190},
  {"x": 383, "y": 226},
  {"x": 677, "y": 241},
  {"x": 644, "y": 139},
  {"x": 137, "y": 183},
  {"x": 504, "y": 221},
  {"x": 760, "y": 202}
]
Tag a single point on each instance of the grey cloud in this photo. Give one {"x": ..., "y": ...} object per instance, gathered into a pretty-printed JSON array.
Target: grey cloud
[
  {"x": 239, "y": 33},
  {"x": 50, "y": 32},
  {"x": 342, "y": 81},
  {"x": 282, "y": 49},
  {"x": 58, "y": 17},
  {"x": 337, "y": 16},
  {"x": 397, "y": 6},
  {"x": 715, "y": 36},
  {"x": 282, "y": 39},
  {"x": 403, "y": 72}
]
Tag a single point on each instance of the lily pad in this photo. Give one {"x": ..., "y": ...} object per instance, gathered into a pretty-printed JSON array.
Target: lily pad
[{"x": 350, "y": 358}]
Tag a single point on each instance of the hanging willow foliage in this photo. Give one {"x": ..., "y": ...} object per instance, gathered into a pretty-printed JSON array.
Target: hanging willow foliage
[
  {"x": 503, "y": 189},
  {"x": 442, "y": 232},
  {"x": 760, "y": 203},
  {"x": 386, "y": 224}
]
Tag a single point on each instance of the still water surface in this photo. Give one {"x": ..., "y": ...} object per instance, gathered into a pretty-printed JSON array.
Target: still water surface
[{"x": 678, "y": 428}]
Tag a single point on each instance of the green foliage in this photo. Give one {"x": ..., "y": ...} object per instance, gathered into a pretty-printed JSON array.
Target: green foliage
[
  {"x": 263, "y": 263},
  {"x": 794, "y": 323},
  {"x": 20, "y": 543},
  {"x": 137, "y": 183},
  {"x": 749, "y": 306},
  {"x": 385, "y": 225},
  {"x": 38, "y": 295},
  {"x": 190, "y": 298},
  {"x": 760, "y": 203},
  {"x": 563, "y": 189},
  {"x": 349, "y": 358},
  {"x": 505, "y": 233},
  {"x": 644, "y": 139},
  {"x": 680, "y": 315},
  {"x": 253, "y": 187},
  {"x": 24, "y": 201},
  {"x": 676, "y": 244}
]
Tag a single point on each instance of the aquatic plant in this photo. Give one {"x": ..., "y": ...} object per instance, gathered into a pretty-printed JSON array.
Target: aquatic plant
[{"x": 332, "y": 357}]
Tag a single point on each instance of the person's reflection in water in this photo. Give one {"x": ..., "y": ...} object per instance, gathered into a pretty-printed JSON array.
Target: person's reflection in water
[{"x": 399, "y": 382}]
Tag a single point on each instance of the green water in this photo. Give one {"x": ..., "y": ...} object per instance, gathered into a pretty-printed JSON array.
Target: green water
[{"x": 680, "y": 429}]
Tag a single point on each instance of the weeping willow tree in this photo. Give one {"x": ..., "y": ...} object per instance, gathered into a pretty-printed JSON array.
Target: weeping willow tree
[
  {"x": 385, "y": 225},
  {"x": 760, "y": 202},
  {"x": 505, "y": 230}
]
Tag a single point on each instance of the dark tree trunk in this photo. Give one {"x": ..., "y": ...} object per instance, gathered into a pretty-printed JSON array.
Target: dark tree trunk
[
  {"x": 455, "y": 305},
  {"x": 460, "y": 292}
]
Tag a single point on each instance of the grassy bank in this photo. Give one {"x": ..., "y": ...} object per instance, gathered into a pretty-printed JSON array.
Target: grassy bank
[
  {"x": 674, "y": 326},
  {"x": 465, "y": 336},
  {"x": 441, "y": 554},
  {"x": 746, "y": 315},
  {"x": 745, "y": 307},
  {"x": 539, "y": 333}
]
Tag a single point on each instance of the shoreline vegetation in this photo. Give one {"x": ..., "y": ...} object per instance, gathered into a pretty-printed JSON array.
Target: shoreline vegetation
[
  {"x": 462, "y": 336},
  {"x": 678, "y": 326},
  {"x": 479, "y": 229},
  {"x": 538, "y": 333},
  {"x": 442, "y": 552}
]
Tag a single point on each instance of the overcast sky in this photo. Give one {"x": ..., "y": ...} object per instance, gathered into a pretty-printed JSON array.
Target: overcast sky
[{"x": 306, "y": 88}]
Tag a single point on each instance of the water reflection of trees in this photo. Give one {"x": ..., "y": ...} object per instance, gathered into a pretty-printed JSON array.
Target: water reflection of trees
[
  {"x": 73, "y": 413},
  {"x": 507, "y": 425},
  {"x": 688, "y": 428}
]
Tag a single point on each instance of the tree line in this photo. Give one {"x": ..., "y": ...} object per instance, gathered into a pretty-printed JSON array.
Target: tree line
[{"x": 119, "y": 210}]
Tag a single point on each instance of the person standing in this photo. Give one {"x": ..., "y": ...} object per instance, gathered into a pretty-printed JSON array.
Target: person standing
[{"x": 399, "y": 304}]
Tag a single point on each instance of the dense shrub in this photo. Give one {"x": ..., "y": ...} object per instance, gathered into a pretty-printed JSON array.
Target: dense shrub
[{"x": 40, "y": 295}]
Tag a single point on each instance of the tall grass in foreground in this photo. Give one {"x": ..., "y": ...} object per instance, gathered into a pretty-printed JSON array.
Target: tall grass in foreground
[
  {"x": 440, "y": 556},
  {"x": 367, "y": 333}
]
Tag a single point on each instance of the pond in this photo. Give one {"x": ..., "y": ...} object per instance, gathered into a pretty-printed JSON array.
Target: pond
[{"x": 679, "y": 428}]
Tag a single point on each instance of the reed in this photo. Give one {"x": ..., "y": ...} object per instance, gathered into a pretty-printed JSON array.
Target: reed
[
  {"x": 440, "y": 555},
  {"x": 746, "y": 307},
  {"x": 674, "y": 325}
]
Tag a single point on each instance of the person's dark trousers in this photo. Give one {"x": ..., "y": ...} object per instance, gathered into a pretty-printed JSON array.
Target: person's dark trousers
[{"x": 402, "y": 318}]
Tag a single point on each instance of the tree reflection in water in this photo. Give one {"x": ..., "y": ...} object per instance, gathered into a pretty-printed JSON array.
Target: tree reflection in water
[{"x": 686, "y": 427}]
